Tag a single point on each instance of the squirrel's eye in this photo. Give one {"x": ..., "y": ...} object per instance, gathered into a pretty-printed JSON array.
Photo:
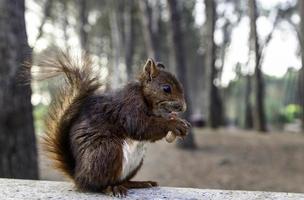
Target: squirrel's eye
[{"x": 167, "y": 88}]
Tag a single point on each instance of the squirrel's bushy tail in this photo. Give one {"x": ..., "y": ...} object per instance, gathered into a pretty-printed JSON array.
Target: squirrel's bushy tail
[{"x": 80, "y": 82}]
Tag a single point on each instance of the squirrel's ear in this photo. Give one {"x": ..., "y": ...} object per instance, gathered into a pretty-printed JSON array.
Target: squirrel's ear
[
  {"x": 160, "y": 65},
  {"x": 150, "y": 69}
]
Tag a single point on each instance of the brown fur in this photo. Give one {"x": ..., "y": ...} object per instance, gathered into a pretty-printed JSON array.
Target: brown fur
[{"x": 86, "y": 129}]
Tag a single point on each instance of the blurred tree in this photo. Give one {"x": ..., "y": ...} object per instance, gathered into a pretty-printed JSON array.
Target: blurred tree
[
  {"x": 228, "y": 19},
  {"x": 129, "y": 20},
  {"x": 215, "y": 113},
  {"x": 257, "y": 117},
  {"x": 288, "y": 14},
  {"x": 193, "y": 42},
  {"x": 181, "y": 68},
  {"x": 83, "y": 24},
  {"x": 52, "y": 15},
  {"x": 18, "y": 154},
  {"x": 116, "y": 42},
  {"x": 248, "y": 124},
  {"x": 150, "y": 22},
  {"x": 46, "y": 14},
  {"x": 255, "y": 56},
  {"x": 301, "y": 74},
  {"x": 65, "y": 24},
  {"x": 280, "y": 94}
]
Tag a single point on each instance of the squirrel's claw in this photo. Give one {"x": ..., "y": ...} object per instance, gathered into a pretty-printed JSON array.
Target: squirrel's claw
[{"x": 116, "y": 191}]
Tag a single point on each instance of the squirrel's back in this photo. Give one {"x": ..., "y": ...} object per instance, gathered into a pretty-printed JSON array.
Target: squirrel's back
[{"x": 80, "y": 82}]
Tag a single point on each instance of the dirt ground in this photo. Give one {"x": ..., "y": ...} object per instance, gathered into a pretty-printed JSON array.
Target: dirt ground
[{"x": 224, "y": 159}]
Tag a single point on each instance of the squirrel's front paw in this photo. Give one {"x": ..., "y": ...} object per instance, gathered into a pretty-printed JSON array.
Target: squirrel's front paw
[
  {"x": 181, "y": 128},
  {"x": 178, "y": 128}
]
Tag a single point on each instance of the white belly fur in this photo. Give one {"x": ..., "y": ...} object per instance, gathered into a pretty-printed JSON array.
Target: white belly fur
[{"x": 133, "y": 153}]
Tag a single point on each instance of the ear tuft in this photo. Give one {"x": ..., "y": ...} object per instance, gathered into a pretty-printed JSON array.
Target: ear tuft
[{"x": 150, "y": 69}]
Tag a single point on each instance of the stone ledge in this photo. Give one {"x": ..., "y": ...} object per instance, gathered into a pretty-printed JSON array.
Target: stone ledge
[{"x": 13, "y": 189}]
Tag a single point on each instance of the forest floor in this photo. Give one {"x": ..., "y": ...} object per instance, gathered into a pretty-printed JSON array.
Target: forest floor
[{"x": 224, "y": 159}]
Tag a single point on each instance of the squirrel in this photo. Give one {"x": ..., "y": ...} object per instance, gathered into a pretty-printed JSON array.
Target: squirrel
[{"x": 98, "y": 138}]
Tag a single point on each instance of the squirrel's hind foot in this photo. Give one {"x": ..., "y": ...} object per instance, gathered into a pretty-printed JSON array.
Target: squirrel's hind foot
[
  {"x": 116, "y": 191},
  {"x": 121, "y": 190},
  {"x": 139, "y": 184}
]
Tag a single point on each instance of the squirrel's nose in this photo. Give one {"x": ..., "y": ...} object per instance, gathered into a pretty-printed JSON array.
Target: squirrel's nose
[{"x": 179, "y": 106}]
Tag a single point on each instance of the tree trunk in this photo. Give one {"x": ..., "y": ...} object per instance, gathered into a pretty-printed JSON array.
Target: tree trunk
[
  {"x": 248, "y": 105},
  {"x": 181, "y": 68},
  {"x": 259, "y": 111},
  {"x": 129, "y": 37},
  {"x": 65, "y": 24},
  {"x": 116, "y": 42},
  {"x": 18, "y": 154},
  {"x": 84, "y": 25},
  {"x": 301, "y": 72},
  {"x": 150, "y": 28},
  {"x": 215, "y": 113}
]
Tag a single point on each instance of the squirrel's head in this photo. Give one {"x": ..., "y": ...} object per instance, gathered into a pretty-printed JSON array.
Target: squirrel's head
[{"x": 162, "y": 91}]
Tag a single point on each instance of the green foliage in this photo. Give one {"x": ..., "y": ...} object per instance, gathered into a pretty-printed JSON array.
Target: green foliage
[{"x": 292, "y": 112}]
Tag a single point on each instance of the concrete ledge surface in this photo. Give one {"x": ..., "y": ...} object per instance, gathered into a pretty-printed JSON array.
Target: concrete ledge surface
[{"x": 13, "y": 189}]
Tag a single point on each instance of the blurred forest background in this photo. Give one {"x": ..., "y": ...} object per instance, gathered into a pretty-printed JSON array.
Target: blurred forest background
[{"x": 239, "y": 61}]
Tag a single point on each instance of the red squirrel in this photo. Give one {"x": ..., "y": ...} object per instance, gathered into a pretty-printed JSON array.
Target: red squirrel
[{"x": 98, "y": 138}]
